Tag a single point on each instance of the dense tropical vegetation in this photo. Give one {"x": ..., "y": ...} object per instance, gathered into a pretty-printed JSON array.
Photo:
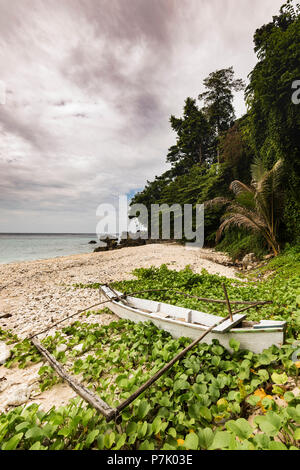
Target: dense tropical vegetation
[
  {"x": 257, "y": 207},
  {"x": 213, "y": 149}
]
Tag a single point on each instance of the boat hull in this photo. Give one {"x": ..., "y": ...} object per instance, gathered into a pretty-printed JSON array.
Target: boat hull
[{"x": 254, "y": 340}]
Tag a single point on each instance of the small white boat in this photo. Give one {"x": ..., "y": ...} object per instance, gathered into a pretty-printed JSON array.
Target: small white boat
[{"x": 179, "y": 321}]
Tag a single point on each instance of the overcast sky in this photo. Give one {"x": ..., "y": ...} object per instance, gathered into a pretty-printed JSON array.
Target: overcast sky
[{"x": 90, "y": 86}]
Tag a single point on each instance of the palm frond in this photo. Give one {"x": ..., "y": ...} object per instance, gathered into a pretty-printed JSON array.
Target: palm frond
[
  {"x": 272, "y": 179},
  {"x": 258, "y": 170},
  {"x": 217, "y": 201},
  {"x": 256, "y": 207},
  {"x": 236, "y": 208},
  {"x": 238, "y": 187},
  {"x": 269, "y": 197},
  {"x": 238, "y": 220}
]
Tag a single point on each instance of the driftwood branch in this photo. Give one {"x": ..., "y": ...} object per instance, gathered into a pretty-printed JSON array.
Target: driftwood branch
[
  {"x": 83, "y": 392},
  {"x": 6, "y": 315}
]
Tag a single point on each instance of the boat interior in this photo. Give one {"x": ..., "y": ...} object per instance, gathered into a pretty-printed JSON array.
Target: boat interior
[
  {"x": 185, "y": 315},
  {"x": 167, "y": 311}
]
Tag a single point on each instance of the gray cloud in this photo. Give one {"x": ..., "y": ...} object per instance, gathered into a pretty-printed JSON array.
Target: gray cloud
[
  {"x": 91, "y": 87},
  {"x": 14, "y": 124},
  {"x": 119, "y": 20}
]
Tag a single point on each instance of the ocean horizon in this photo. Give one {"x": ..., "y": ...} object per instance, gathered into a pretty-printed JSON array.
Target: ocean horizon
[{"x": 15, "y": 247}]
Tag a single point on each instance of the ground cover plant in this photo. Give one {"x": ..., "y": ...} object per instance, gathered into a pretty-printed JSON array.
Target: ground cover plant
[
  {"x": 204, "y": 401},
  {"x": 209, "y": 400}
]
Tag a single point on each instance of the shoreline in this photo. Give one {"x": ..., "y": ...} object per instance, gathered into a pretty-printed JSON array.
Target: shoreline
[
  {"x": 33, "y": 247},
  {"x": 41, "y": 259}
]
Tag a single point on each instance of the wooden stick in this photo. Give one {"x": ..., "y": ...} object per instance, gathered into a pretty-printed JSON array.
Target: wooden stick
[
  {"x": 203, "y": 299},
  {"x": 118, "y": 297},
  {"x": 228, "y": 303},
  {"x": 258, "y": 305},
  {"x": 73, "y": 315},
  {"x": 95, "y": 401},
  {"x": 83, "y": 392},
  {"x": 158, "y": 374},
  {"x": 100, "y": 405}
]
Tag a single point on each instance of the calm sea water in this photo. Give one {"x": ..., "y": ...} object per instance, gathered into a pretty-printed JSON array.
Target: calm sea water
[{"x": 24, "y": 247}]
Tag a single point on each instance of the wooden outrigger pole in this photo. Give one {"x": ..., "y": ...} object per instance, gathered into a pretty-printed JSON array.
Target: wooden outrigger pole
[
  {"x": 94, "y": 400},
  {"x": 82, "y": 391},
  {"x": 100, "y": 405},
  {"x": 228, "y": 303}
]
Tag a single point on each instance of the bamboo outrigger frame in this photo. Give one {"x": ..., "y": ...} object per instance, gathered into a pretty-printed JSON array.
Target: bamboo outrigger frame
[
  {"x": 94, "y": 400},
  {"x": 100, "y": 405}
]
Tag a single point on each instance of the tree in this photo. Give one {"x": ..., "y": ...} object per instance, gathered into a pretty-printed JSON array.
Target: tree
[
  {"x": 273, "y": 119},
  {"x": 193, "y": 178},
  {"x": 235, "y": 151},
  {"x": 152, "y": 194},
  {"x": 193, "y": 139},
  {"x": 218, "y": 99},
  {"x": 257, "y": 207},
  {"x": 268, "y": 133}
]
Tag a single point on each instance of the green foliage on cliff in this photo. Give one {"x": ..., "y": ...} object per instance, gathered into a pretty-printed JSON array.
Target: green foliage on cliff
[{"x": 213, "y": 149}]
